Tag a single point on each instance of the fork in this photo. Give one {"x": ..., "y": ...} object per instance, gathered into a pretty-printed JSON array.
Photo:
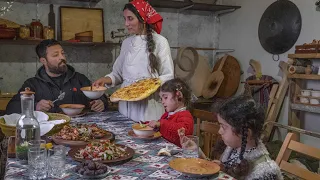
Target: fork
[{"x": 60, "y": 97}]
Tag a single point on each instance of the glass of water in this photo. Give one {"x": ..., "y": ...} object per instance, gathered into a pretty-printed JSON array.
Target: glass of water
[
  {"x": 56, "y": 161},
  {"x": 190, "y": 146},
  {"x": 37, "y": 143},
  {"x": 37, "y": 162}
]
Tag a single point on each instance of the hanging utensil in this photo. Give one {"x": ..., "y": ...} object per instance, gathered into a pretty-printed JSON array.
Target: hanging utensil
[
  {"x": 279, "y": 27},
  {"x": 60, "y": 97}
]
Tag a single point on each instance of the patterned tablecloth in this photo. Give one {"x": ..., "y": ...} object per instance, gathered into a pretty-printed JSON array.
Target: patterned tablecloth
[{"x": 144, "y": 165}]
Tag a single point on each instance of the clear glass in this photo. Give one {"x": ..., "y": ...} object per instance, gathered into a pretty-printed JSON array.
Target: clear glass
[
  {"x": 48, "y": 32},
  {"x": 27, "y": 128},
  {"x": 37, "y": 163},
  {"x": 24, "y": 32},
  {"x": 37, "y": 143},
  {"x": 190, "y": 146},
  {"x": 57, "y": 161}
]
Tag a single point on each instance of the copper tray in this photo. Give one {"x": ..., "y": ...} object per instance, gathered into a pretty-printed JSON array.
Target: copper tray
[
  {"x": 156, "y": 135},
  {"x": 110, "y": 136},
  {"x": 130, "y": 153},
  {"x": 194, "y": 167}
]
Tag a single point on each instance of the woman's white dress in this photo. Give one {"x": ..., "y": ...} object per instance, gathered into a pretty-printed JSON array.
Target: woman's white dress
[{"x": 132, "y": 65}]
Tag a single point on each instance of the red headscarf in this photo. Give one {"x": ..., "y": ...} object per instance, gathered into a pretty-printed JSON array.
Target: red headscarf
[{"x": 148, "y": 14}]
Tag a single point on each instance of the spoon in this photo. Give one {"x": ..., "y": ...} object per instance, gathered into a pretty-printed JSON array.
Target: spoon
[{"x": 60, "y": 97}]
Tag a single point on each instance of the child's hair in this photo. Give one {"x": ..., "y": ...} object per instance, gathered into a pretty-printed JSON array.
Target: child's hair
[
  {"x": 243, "y": 113},
  {"x": 175, "y": 85}
]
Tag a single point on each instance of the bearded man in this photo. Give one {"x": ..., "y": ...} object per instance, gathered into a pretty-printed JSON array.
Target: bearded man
[{"x": 54, "y": 78}]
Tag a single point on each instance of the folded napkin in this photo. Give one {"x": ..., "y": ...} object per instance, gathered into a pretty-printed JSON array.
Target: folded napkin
[
  {"x": 11, "y": 119},
  {"x": 46, "y": 126}
]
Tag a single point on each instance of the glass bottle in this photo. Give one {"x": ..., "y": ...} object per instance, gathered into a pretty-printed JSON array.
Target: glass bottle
[
  {"x": 36, "y": 29},
  {"x": 27, "y": 128}
]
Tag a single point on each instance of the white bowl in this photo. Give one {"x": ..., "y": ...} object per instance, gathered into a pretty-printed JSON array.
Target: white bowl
[
  {"x": 304, "y": 100},
  {"x": 94, "y": 93},
  {"x": 315, "y": 93},
  {"x": 142, "y": 131},
  {"x": 305, "y": 92},
  {"x": 72, "y": 109},
  {"x": 314, "y": 101}
]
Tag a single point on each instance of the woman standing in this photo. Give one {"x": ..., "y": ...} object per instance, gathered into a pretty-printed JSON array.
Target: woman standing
[{"x": 145, "y": 54}]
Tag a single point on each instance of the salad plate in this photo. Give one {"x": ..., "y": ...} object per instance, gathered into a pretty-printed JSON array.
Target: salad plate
[{"x": 102, "y": 151}]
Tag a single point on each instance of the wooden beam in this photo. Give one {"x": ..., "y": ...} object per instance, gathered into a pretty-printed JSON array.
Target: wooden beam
[{"x": 304, "y": 76}]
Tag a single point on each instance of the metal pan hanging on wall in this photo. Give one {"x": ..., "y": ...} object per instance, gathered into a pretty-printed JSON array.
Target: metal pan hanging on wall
[{"x": 280, "y": 27}]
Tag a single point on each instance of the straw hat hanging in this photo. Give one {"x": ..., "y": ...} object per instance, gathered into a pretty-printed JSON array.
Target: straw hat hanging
[{"x": 192, "y": 68}]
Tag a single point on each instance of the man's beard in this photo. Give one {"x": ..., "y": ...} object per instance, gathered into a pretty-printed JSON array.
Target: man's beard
[{"x": 60, "y": 69}]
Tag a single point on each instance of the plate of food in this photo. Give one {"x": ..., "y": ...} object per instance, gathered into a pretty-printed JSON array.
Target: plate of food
[
  {"x": 154, "y": 136},
  {"x": 195, "y": 167},
  {"x": 92, "y": 170},
  {"x": 81, "y": 134},
  {"x": 102, "y": 151},
  {"x": 136, "y": 91}
]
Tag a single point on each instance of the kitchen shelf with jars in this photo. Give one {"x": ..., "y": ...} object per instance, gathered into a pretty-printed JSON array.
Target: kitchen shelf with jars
[
  {"x": 301, "y": 70},
  {"x": 33, "y": 33},
  {"x": 60, "y": 2}
]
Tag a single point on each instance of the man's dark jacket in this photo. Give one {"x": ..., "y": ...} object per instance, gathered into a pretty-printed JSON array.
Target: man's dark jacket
[{"x": 46, "y": 89}]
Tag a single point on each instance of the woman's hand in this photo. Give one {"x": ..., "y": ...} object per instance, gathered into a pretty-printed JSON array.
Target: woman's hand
[
  {"x": 102, "y": 82},
  {"x": 154, "y": 124}
]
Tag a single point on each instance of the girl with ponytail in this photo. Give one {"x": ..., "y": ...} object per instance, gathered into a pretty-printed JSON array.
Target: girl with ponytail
[
  {"x": 245, "y": 157},
  {"x": 144, "y": 54}
]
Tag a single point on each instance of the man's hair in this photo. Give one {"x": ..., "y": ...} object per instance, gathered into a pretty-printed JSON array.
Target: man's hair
[{"x": 41, "y": 48}]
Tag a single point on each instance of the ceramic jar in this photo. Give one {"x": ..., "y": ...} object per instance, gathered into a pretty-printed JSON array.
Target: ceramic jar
[{"x": 308, "y": 69}]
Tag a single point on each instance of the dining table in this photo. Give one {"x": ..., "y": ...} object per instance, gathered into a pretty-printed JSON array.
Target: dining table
[{"x": 145, "y": 164}]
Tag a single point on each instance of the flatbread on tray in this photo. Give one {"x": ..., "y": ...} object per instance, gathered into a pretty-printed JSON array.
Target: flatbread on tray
[{"x": 136, "y": 91}]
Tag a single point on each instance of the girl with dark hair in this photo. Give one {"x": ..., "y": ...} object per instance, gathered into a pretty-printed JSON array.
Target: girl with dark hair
[
  {"x": 175, "y": 96},
  {"x": 245, "y": 157},
  {"x": 143, "y": 55}
]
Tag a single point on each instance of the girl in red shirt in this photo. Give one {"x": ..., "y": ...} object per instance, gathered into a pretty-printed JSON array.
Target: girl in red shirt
[{"x": 175, "y": 97}]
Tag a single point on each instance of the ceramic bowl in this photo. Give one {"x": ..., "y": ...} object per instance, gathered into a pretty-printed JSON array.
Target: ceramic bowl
[
  {"x": 94, "y": 93},
  {"x": 72, "y": 109},
  {"x": 314, "y": 101},
  {"x": 144, "y": 131},
  {"x": 304, "y": 100},
  {"x": 305, "y": 92},
  {"x": 315, "y": 93}
]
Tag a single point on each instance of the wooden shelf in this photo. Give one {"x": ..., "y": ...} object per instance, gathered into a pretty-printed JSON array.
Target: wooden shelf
[
  {"x": 305, "y": 56},
  {"x": 304, "y": 76},
  {"x": 190, "y": 5},
  {"x": 306, "y": 108},
  {"x": 64, "y": 43},
  {"x": 62, "y": 2}
]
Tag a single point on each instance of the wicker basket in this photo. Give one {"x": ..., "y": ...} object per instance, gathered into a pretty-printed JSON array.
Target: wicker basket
[{"x": 11, "y": 130}]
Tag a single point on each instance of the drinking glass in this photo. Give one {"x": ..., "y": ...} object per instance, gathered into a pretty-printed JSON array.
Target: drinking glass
[
  {"x": 190, "y": 146},
  {"x": 56, "y": 161},
  {"x": 37, "y": 143},
  {"x": 37, "y": 162}
]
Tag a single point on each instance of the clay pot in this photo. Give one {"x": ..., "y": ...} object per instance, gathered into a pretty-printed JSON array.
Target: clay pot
[{"x": 308, "y": 69}]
